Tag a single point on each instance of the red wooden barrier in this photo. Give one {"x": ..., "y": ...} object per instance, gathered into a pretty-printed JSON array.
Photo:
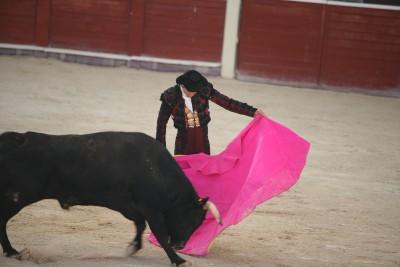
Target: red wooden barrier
[
  {"x": 42, "y": 23},
  {"x": 280, "y": 40},
  {"x": 136, "y": 23},
  {"x": 98, "y": 25},
  {"x": 184, "y": 29},
  {"x": 319, "y": 45},
  {"x": 361, "y": 48},
  {"x": 17, "y": 21}
]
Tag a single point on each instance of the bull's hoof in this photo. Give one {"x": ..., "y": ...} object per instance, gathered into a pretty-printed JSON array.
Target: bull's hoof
[
  {"x": 183, "y": 264},
  {"x": 33, "y": 256},
  {"x": 132, "y": 248},
  {"x": 10, "y": 253}
]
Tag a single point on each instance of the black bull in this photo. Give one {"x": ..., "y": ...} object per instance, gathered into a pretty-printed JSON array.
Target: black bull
[{"x": 130, "y": 173}]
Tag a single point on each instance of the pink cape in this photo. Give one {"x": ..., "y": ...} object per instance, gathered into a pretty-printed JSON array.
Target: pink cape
[{"x": 264, "y": 160}]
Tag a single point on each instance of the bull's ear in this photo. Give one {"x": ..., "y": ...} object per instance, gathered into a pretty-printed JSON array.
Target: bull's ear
[{"x": 202, "y": 201}]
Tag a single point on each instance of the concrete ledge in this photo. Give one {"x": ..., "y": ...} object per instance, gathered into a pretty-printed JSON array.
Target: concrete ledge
[{"x": 112, "y": 60}]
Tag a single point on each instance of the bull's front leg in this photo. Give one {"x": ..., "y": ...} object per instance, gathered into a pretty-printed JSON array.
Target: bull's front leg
[
  {"x": 137, "y": 242},
  {"x": 158, "y": 227},
  {"x": 140, "y": 224}
]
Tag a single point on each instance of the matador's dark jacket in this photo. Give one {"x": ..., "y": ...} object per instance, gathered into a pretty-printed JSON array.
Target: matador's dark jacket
[{"x": 172, "y": 105}]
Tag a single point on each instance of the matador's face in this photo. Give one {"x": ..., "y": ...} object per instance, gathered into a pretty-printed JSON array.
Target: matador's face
[{"x": 187, "y": 92}]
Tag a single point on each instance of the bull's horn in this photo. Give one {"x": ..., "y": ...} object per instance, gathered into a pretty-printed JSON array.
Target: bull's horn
[{"x": 214, "y": 211}]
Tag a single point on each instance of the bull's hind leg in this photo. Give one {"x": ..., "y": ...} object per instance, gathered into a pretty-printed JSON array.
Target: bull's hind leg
[
  {"x": 5, "y": 216},
  {"x": 8, "y": 250}
]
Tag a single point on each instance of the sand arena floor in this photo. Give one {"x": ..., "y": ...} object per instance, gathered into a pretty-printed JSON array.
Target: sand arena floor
[{"x": 344, "y": 211}]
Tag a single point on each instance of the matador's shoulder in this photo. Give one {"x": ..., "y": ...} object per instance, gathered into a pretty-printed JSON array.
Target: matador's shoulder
[
  {"x": 207, "y": 90},
  {"x": 171, "y": 95}
]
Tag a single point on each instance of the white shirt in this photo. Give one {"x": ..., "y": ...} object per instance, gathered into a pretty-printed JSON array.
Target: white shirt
[{"x": 188, "y": 100}]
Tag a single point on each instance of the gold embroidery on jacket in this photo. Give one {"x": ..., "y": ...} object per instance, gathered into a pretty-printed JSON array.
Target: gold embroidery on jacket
[{"x": 192, "y": 118}]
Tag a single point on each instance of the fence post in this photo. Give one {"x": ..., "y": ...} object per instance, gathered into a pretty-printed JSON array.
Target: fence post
[{"x": 231, "y": 29}]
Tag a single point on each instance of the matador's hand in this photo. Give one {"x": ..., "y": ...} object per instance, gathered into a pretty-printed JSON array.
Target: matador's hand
[{"x": 260, "y": 112}]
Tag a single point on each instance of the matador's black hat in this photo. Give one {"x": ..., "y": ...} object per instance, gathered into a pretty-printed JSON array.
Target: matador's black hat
[{"x": 192, "y": 80}]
